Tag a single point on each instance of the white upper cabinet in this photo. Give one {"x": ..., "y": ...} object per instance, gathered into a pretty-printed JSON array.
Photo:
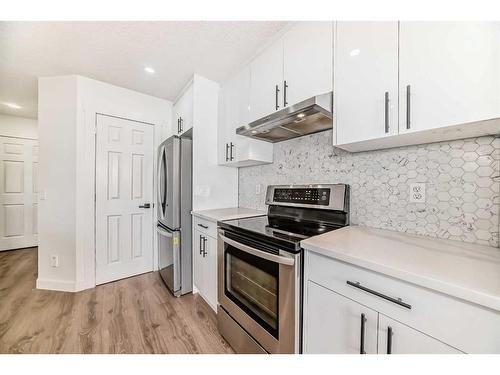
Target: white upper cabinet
[
  {"x": 296, "y": 67},
  {"x": 235, "y": 150},
  {"x": 183, "y": 112},
  {"x": 308, "y": 61},
  {"x": 441, "y": 80},
  {"x": 452, "y": 72},
  {"x": 366, "y": 80},
  {"x": 266, "y": 82}
]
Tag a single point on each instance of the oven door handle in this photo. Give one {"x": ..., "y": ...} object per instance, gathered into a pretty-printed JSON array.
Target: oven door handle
[{"x": 259, "y": 253}]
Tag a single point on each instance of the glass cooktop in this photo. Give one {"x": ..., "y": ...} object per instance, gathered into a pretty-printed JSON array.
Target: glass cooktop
[{"x": 281, "y": 231}]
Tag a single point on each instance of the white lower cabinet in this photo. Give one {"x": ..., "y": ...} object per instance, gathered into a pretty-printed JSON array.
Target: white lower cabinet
[
  {"x": 417, "y": 319},
  {"x": 338, "y": 325},
  {"x": 398, "y": 338},
  {"x": 205, "y": 266}
]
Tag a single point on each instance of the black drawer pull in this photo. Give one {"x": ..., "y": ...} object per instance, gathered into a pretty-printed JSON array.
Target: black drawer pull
[
  {"x": 397, "y": 301},
  {"x": 203, "y": 226},
  {"x": 362, "y": 336},
  {"x": 389, "y": 340}
]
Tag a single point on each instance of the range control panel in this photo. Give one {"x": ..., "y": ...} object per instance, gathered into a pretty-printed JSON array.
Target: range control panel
[{"x": 314, "y": 196}]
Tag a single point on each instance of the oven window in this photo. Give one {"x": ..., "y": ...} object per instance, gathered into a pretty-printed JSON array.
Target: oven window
[{"x": 252, "y": 283}]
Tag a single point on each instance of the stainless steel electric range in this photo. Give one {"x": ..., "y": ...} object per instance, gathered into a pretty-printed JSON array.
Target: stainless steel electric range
[{"x": 260, "y": 267}]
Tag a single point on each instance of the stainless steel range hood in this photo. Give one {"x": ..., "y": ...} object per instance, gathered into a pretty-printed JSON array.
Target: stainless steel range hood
[{"x": 307, "y": 117}]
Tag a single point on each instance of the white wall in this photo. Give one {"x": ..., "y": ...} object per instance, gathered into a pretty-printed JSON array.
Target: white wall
[
  {"x": 57, "y": 114},
  {"x": 13, "y": 126},
  {"x": 82, "y": 98}
]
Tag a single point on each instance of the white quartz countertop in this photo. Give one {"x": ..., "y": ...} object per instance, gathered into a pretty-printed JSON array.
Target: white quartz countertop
[
  {"x": 231, "y": 213},
  {"x": 467, "y": 271}
]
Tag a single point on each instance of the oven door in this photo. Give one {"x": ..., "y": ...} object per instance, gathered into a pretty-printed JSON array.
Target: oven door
[{"x": 259, "y": 287}]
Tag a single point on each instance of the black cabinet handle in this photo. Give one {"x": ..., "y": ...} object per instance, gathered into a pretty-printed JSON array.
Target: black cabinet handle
[
  {"x": 277, "y": 90},
  {"x": 389, "y": 340},
  {"x": 203, "y": 226},
  {"x": 204, "y": 247},
  {"x": 181, "y": 121},
  {"x": 362, "y": 335},
  {"x": 178, "y": 126},
  {"x": 386, "y": 112},
  {"x": 408, "y": 107},
  {"x": 227, "y": 151},
  {"x": 145, "y": 205},
  {"x": 201, "y": 242},
  {"x": 397, "y": 301},
  {"x": 231, "y": 152},
  {"x": 285, "y": 86}
]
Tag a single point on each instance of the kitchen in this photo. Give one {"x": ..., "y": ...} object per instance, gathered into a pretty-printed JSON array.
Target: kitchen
[{"x": 337, "y": 193}]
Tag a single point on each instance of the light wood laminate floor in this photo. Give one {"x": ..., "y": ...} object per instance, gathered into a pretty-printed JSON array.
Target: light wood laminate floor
[{"x": 135, "y": 315}]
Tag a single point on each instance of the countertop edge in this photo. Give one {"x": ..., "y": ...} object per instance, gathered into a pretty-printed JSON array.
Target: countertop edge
[
  {"x": 478, "y": 298},
  {"x": 202, "y": 215}
]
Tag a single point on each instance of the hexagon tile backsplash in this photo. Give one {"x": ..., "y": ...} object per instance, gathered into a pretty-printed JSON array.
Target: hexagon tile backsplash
[{"x": 462, "y": 184}]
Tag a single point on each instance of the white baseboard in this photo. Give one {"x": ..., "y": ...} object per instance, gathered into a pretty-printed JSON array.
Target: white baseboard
[{"x": 59, "y": 285}]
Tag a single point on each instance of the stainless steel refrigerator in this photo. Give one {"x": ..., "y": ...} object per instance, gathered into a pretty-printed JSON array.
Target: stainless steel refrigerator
[{"x": 174, "y": 203}]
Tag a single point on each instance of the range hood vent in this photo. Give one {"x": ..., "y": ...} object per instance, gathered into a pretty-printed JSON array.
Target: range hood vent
[{"x": 307, "y": 117}]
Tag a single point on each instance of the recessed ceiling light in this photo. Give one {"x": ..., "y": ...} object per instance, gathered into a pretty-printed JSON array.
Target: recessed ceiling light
[
  {"x": 149, "y": 70},
  {"x": 12, "y": 105},
  {"x": 301, "y": 115}
]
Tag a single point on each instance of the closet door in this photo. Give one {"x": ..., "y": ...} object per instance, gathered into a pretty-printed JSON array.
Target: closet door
[{"x": 18, "y": 193}]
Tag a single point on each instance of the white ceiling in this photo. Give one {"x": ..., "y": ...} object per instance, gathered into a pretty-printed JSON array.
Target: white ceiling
[{"x": 116, "y": 52}]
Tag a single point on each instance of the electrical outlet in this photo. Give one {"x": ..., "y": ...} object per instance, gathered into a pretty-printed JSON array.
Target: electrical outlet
[
  {"x": 417, "y": 192},
  {"x": 257, "y": 189},
  {"x": 54, "y": 261}
]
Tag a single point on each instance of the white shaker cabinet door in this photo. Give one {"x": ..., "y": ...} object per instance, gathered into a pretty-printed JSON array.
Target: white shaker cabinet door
[
  {"x": 308, "y": 61},
  {"x": 397, "y": 338},
  {"x": 198, "y": 263},
  {"x": 334, "y": 324},
  {"x": 449, "y": 73},
  {"x": 366, "y": 80},
  {"x": 210, "y": 257},
  {"x": 266, "y": 82}
]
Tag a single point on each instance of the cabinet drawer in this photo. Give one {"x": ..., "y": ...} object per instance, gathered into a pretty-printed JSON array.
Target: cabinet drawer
[
  {"x": 463, "y": 325},
  {"x": 205, "y": 226}
]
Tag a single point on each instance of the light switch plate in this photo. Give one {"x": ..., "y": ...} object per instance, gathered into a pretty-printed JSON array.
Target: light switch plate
[{"x": 417, "y": 192}]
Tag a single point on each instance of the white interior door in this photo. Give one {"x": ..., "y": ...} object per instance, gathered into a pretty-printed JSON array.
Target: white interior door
[
  {"x": 18, "y": 187},
  {"x": 124, "y": 182}
]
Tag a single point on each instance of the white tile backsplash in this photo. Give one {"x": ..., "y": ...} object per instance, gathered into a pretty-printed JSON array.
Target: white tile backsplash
[{"x": 461, "y": 180}]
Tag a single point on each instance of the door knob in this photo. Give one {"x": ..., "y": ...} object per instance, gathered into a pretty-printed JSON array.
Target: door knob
[{"x": 145, "y": 205}]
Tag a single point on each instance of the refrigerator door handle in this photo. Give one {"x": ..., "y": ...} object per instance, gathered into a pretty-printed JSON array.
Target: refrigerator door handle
[
  {"x": 164, "y": 233},
  {"x": 159, "y": 182}
]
